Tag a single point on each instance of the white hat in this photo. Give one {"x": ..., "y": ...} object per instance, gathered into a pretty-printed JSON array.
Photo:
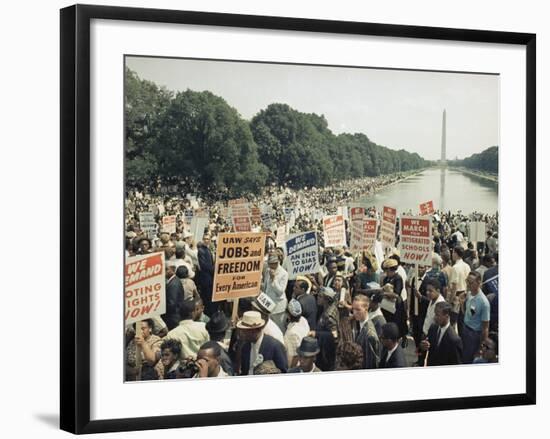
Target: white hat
[
  {"x": 186, "y": 234},
  {"x": 264, "y": 303},
  {"x": 251, "y": 320}
]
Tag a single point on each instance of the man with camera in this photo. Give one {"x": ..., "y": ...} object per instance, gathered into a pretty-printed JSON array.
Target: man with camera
[{"x": 208, "y": 361}]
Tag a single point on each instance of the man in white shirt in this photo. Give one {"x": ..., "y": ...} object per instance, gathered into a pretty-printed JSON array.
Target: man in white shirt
[
  {"x": 192, "y": 335},
  {"x": 433, "y": 290},
  {"x": 274, "y": 282},
  {"x": 459, "y": 273}
]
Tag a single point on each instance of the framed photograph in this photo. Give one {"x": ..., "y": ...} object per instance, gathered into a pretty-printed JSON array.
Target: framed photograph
[{"x": 252, "y": 195}]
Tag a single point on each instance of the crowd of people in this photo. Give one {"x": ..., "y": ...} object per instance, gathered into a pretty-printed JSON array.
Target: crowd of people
[{"x": 359, "y": 311}]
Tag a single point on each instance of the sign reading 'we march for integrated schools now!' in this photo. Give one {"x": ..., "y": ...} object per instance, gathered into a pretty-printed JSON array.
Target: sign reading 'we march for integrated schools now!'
[
  {"x": 302, "y": 254},
  {"x": 144, "y": 287},
  {"x": 415, "y": 245}
]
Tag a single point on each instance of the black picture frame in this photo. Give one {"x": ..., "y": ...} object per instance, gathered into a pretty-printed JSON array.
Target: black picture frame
[{"x": 75, "y": 217}]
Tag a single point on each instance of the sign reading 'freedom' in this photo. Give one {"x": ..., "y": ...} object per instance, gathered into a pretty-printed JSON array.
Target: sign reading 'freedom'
[{"x": 239, "y": 264}]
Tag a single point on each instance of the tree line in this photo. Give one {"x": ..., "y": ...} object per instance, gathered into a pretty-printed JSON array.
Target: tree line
[
  {"x": 486, "y": 160},
  {"x": 199, "y": 136}
]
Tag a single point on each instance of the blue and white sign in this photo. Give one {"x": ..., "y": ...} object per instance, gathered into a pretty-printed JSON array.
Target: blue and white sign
[{"x": 302, "y": 254}]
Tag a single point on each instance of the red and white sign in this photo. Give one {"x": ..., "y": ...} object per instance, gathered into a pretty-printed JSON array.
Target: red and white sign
[
  {"x": 144, "y": 287},
  {"x": 357, "y": 228},
  {"x": 415, "y": 245},
  {"x": 387, "y": 227},
  {"x": 242, "y": 224},
  {"x": 281, "y": 236},
  {"x": 256, "y": 215},
  {"x": 240, "y": 215},
  {"x": 427, "y": 208},
  {"x": 370, "y": 229},
  {"x": 169, "y": 224},
  {"x": 334, "y": 231}
]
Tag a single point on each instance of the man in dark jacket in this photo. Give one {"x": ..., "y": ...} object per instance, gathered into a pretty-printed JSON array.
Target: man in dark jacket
[
  {"x": 307, "y": 301},
  {"x": 364, "y": 332},
  {"x": 392, "y": 353},
  {"x": 443, "y": 345},
  {"x": 205, "y": 276},
  {"x": 174, "y": 298},
  {"x": 257, "y": 346}
]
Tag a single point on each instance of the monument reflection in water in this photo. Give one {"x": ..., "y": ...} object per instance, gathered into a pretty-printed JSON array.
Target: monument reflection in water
[{"x": 448, "y": 188}]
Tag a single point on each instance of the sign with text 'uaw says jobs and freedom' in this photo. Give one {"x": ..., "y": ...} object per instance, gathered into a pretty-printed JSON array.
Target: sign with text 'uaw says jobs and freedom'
[
  {"x": 239, "y": 264},
  {"x": 415, "y": 245},
  {"x": 144, "y": 287}
]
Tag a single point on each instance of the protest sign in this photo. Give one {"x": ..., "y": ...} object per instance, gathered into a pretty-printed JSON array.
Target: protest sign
[
  {"x": 288, "y": 212},
  {"x": 239, "y": 264},
  {"x": 266, "y": 219},
  {"x": 302, "y": 254},
  {"x": 281, "y": 236},
  {"x": 255, "y": 215},
  {"x": 240, "y": 215},
  {"x": 387, "y": 227},
  {"x": 415, "y": 245},
  {"x": 188, "y": 214},
  {"x": 334, "y": 231},
  {"x": 477, "y": 231},
  {"x": 198, "y": 226},
  {"x": 343, "y": 210},
  {"x": 148, "y": 224},
  {"x": 370, "y": 230},
  {"x": 144, "y": 287},
  {"x": 427, "y": 208},
  {"x": 356, "y": 238},
  {"x": 242, "y": 224},
  {"x": 169, "y": 224}
]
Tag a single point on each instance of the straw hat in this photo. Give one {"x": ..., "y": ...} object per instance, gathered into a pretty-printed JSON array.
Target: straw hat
[{"x": 251, "y": 320}]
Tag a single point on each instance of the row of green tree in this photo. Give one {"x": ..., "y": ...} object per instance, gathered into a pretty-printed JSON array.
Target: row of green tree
[
  {"x": 486, "y": 160},
  {"x": 199, "y": 136}
]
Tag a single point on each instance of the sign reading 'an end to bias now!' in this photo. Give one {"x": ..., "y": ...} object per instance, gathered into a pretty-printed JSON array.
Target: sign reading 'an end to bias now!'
[{"x": 415, "y": 245}]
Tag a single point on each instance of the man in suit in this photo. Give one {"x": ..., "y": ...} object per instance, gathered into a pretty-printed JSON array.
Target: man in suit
[
  {"x": 443, "y": 345},
  {"x": 307, "y": 301},
  {"x": 392, "y": 353},
  {"x": 174, "y": 298},
  {"x": 205, "y": 276},
  {"x": 364, "y": 332},
  {"x": 257, "y": 346}
]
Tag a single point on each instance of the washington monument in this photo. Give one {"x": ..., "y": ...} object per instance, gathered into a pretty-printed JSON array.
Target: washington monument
[{"x": 444, "y": 139}]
